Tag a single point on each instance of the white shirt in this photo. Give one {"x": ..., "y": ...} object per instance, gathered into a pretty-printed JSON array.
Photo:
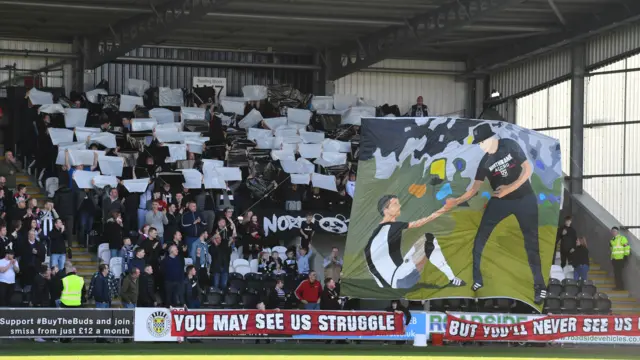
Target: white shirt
[{"x": 9, "y": 276}]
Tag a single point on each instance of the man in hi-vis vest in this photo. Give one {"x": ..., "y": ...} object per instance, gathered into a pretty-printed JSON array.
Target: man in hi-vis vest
[
  {"x": 72, "y": 289},
  {"x": 620, "y": 251}
]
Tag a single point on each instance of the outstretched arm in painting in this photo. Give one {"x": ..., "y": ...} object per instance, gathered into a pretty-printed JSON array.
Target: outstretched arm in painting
[
  {"x": 451, "y": 203},
  {"x": 425, "y": 220}
]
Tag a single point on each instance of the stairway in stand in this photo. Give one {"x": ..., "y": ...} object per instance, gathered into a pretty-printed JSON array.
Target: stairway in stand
[
  {"x": 83, "y": 261},
  {"x": 621, "y": 301}
]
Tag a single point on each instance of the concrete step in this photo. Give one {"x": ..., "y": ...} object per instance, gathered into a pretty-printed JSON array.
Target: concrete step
[
  {"x": 623, "y": 301},
  {"x": 77, "y": 257},
  {"x": 598, "y": 272},
  {"x": 616, "y": 294},
  {"x": 625, "y": 312}
]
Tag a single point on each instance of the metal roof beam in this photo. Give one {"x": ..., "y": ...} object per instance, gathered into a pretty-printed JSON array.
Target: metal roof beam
[
  {"x": 126, "y": 35},
  {"x": 383, "y": 44},
  {"x": 616, "y": 15}
]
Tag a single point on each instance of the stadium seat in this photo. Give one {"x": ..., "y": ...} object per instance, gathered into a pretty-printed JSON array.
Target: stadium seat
[
  {"x": 255, "y": 281},
  {"x": 568, "y": 272},
  {"x": 239, "y": 262},
  {"x": 453, "y": 305},
  {"x": 587, "y": 287},
  {"x": 436, "y": 305},
  {"x": 557, "y": 273},
  {"x": 16, "y": 298},
  {"x": 569, "y": 304},
  {"x": 570, "y": 287},
  {"x": 290, "y": 282},
  {"x": 51, "y": 185},
  {"x": 103, "y": 253},
  {"x": 235, "y": 255},
  {"x": 586, "y": 303},
  {"x": 503, "y": 305},
  {"x": 555, "y": 287},
  {"x": 415, "y": 305},
  {"x": 187, "y": 262},
  {"x": 486, "y": 305},
  {"x": 242, "y": 269},
  {"x": 281, "y": 250},
  {"x": 603, "y": 304},
  {"x": 552, "y": 305},
  {"x": 231, "y": 299},
  {"x": 250, "y": 299},
  {"x": 253, "y": 265},
  {"x": 269, "y": 281},
  {"x": 115, "y": 266},
  {"x": 214, "y": 299},
  {"x": 236, "y": 281},
  {"x": 291, "y": 301}
]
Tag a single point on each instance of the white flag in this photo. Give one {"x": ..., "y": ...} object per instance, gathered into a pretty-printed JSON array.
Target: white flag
[
  {"x": 274, "y": 123},
  {"x": 59, "y": 136},
  {"x": 193, "y": 178},
  {"x": 162, "y": 116},
  {"x": 136, "y": 185},
  {"x": 229, "y": 173},
  {"x": 252, "y": 119},
  {"x": 101, "y": 181},
  {"x": 74, "y": 118},
  {"x": 52, "y": 109},
  {"x": 312, "y": 137},
  {"x": 38, "y": 97},
  {"x": 92, "y": 95},
  {"x": 299, "y": 116},
  {"x": 192, "y": 113},
  {"x": 177, "y": 152},
  {"x": 106, "y": 139},
  {"x": 310, "y": 151},
  {"x": 128, "y": 102},
  {"x": 83, "y": 178},
  {"x": 327, "y": 182},
  {"x": 83, "y": 133},
  {"x": 212, "y": 180},
  {"x": 300, "y": 179},
  {"x": 233, "y": 105},
  {"x": 143, "y": 124},
  {"x": 111, "y": 165}
]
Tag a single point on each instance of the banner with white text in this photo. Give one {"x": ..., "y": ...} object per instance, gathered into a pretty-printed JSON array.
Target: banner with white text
[
  {"x": 591, "y": 329},
  {"x": 288, "y": 322}
]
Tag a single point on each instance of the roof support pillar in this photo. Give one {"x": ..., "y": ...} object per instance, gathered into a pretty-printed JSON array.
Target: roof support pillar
[{"x": 576, "y": 154}]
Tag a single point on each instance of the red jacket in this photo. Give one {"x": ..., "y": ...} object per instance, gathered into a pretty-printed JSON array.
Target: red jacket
[{"x": 308, "y": 291}]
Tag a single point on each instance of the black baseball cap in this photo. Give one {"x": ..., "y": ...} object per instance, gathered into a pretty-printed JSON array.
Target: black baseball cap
[{"x": 482, "y": 133}]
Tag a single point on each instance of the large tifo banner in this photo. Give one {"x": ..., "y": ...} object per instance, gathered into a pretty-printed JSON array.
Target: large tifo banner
[
  {"x": 66, "y": 323},
  {"x": 158, "y": 324},
  {"x": 450, "y": 207},
  {"x": 556, "y": 328}
]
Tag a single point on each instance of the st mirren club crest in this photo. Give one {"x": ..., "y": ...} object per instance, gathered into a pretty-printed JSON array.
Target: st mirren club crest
[{"x": 159, "y": 324}]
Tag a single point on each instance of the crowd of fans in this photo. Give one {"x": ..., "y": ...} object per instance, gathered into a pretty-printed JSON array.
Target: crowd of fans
[{"x": 176, "y": 244}]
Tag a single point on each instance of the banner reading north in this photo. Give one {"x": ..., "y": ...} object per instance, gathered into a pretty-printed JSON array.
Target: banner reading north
[
  {"x": 288, "y": 322},
  {"x": 579, "y": 328},
  {"x": 449, "y": 207}
]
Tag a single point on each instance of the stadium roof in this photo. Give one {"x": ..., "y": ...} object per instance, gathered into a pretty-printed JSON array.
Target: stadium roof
[{"x": 352, "y": 34}]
